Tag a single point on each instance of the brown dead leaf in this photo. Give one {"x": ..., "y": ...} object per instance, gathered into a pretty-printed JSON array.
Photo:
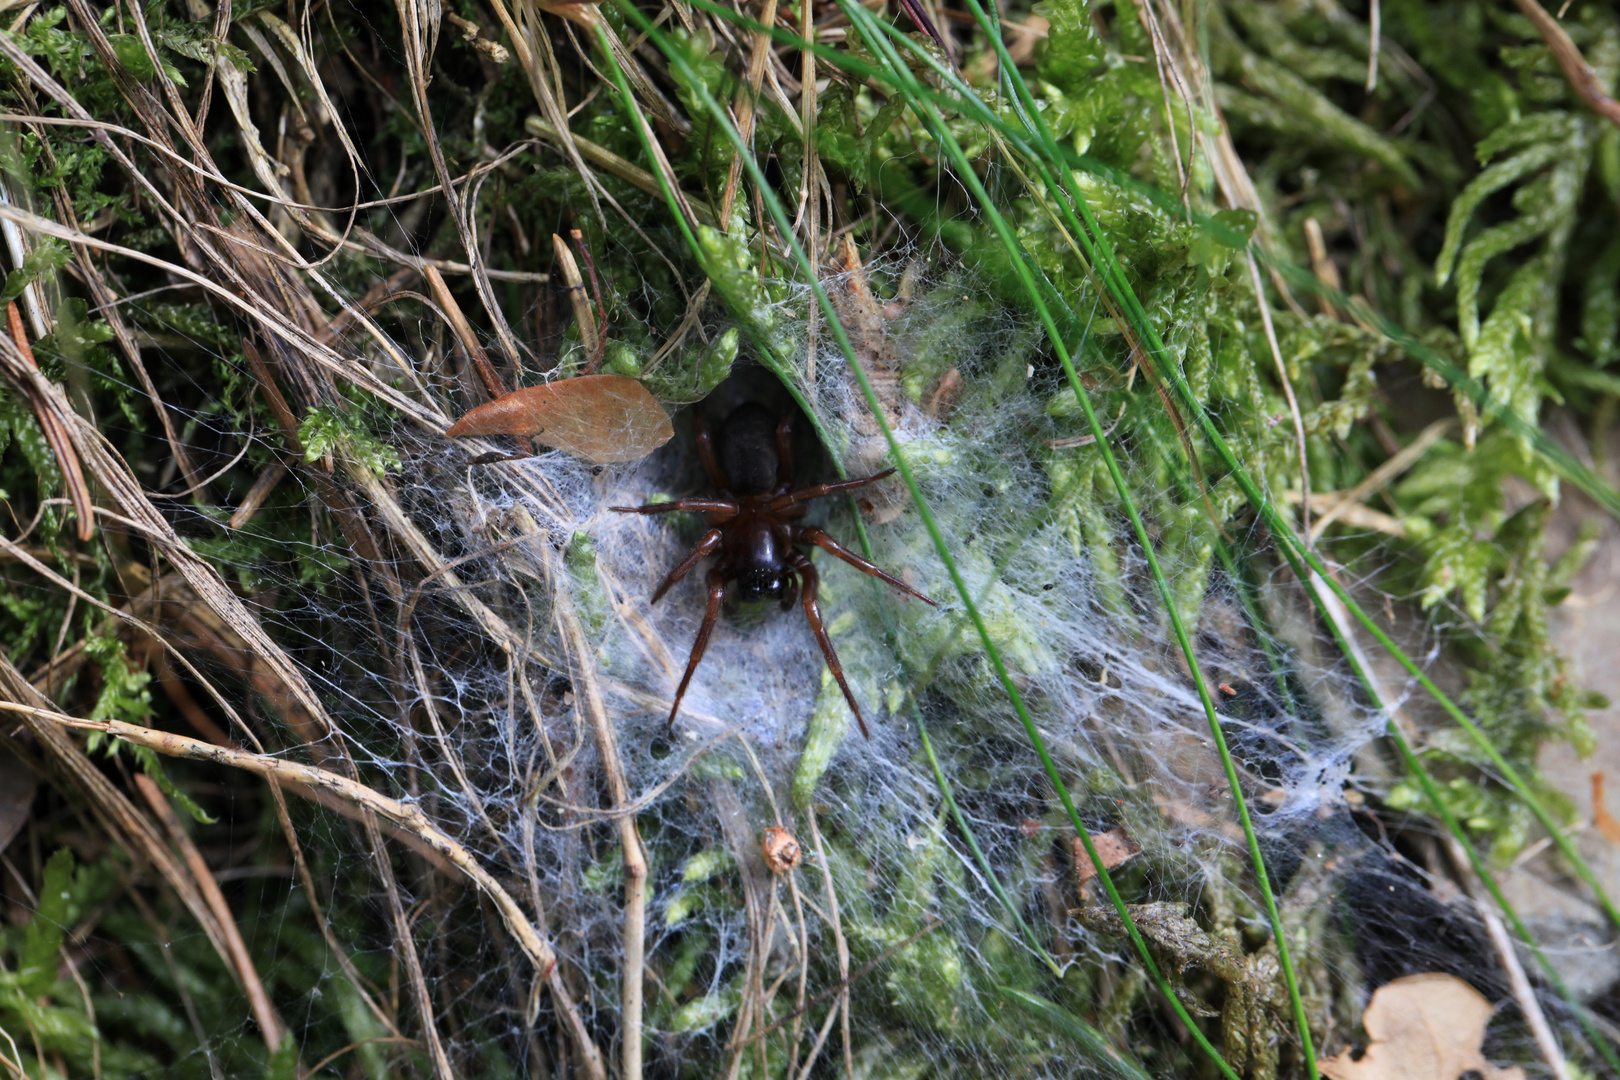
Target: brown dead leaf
[
  {"x": 1605, "y": 821},
  {"x": 1422, "y": 1027},
  {"x": 601, "y": 418},
  {"x": 17, "y": 787},
  {"x": 1114, "y": 847}
]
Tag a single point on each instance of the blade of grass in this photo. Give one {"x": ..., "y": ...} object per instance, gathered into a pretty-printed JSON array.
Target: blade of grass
[
  {"x": 868, "y": 26},
  {"x": 779, "y": 216},
  {"x": 1431, "y": 791},
  {"x": 1061, "y": 157},
  {"x": 1071, "y": 1026},
  {"x": 1103, "y": 260},
  {"x": 1566, "y": 466},
  {"x": 973, "y": 844}
]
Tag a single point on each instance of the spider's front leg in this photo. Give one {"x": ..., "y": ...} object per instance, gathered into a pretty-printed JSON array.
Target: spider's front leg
[
  {"x": 717, "y": 596},
  {"x": 706, "y": 547},
  {"x": 804, "y": 495},
  {"x": 720, "y": 510},
  {"x": 812, "y": 612}
]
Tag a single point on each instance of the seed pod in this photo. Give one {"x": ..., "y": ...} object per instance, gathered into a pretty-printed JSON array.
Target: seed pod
[{"x": 781, "y": 850}]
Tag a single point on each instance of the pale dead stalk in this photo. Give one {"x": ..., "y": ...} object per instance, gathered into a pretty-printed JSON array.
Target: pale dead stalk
[
  {"x": 1524, "y": 995},
  {"x": 264, "y": 1011},
  {"x": 1375, "y": 22},
  {"x": 405, "y": 942},
  {"x": 582, "y": 672},
  {"x": 1288, "y": 392},
  {"x": 405, "y": 815},
  {"x": 1380, "y": 477},
  {"x": 840, "y": 944},
  {"x": 463, "y": 330},
  {"x": 747, "y": 95},
  {"x": 55, "y": 435},
  {"x": 109, "y": 804},
  {"x": 419, "y": 23}
]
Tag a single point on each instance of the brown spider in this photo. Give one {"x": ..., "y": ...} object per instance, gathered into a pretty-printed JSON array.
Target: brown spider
[{"x": 750, "y": 528}]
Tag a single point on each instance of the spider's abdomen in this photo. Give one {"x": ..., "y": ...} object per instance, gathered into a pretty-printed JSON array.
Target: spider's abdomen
[{"x": 748, "y": 449}]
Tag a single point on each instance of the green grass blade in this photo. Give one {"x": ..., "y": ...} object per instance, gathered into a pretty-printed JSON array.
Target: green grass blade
[
  {"x": 864, "y": 21},
  {"x": 993, "y": 653},
  {"x": 1072, "y": 1027}
]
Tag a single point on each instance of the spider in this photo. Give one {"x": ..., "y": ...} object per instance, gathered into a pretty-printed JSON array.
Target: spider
[{"x": 750, "y": 527}]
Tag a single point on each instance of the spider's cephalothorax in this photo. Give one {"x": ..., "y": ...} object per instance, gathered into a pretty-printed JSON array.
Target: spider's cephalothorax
[{"x": 751, "y": 529}]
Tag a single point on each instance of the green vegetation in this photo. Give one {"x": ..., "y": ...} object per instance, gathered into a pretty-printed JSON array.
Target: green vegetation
[{"x": 1216, "y": 347}]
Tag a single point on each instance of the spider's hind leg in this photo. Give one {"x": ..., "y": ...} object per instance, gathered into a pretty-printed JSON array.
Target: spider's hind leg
[{"x": 812, "y": 612}]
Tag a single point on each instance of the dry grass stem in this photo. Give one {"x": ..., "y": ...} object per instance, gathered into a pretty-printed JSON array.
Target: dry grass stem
[{"x": 264, "y": 1012}]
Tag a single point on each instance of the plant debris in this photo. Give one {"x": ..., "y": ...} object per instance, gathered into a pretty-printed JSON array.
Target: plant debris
[{"x": 1422, "y": 1027}]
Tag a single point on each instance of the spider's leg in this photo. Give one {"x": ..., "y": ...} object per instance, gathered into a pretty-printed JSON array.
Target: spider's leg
[
  {"x": 812, "y": 612},
  {"x": 785, "y": 464},
  {"x": 809, "y": 534},
  {"x": 705, "y": 449},
  {"x": 782, "y": 502},
  {"x": 717, "y": 596},
  {"x": 705, "y": 548},
  {"x": 725, "y": 509}
]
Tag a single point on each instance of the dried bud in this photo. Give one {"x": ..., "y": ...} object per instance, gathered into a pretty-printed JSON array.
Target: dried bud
[{"x": 781, "y": 850}]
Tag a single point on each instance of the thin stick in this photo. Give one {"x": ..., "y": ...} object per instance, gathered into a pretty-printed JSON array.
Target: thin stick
[
  {"x": 1376, "y": 480},
  {"x": 596, "y": 293},
  {"x": 264, "y": 1013},
  {"x": 584, "y": 318},
  {"x": 839, "y": 943},
  {"x": 1582, "y": 79},
  {"x": 464, "y": 333}
]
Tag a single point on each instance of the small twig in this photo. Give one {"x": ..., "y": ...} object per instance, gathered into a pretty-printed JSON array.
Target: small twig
[
  {"x": 1508, "y": 955},
  {"x": 747, "y": 95},
  {"x": 1323, "y": 267},
  {"x": 1086, "y": 440},
  {"x": 1579, "y": 74},
  {"x": 840, "y": 944},
  {"x": 264, "y": 1013},
  {"x": 933, "y": 923},
  {"x": 574, "y": 281},
  {"x": 596, "y": 293},
  {"x": 464, "y": 334},
  {"x": 588, "y": 691},
  {"x": 55, "y": 435},
  {"x": 260, "y": 491},
  {"x": 1375, "y": 24},
  {"x": 1380, "y": 477},
  {"x": 623, "y": 168}
]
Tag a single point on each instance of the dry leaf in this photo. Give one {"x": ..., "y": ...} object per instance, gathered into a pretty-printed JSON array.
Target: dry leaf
[
  {"x": 17, "y": 787},
  {"x": 1422, "y": 1027},
  {"x": 601, "y": 418},
  {"x": 1113, "y": 847}
]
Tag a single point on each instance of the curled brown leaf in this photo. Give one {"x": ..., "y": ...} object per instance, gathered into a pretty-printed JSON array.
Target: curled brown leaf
[{"x": 601, "y": 418}]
